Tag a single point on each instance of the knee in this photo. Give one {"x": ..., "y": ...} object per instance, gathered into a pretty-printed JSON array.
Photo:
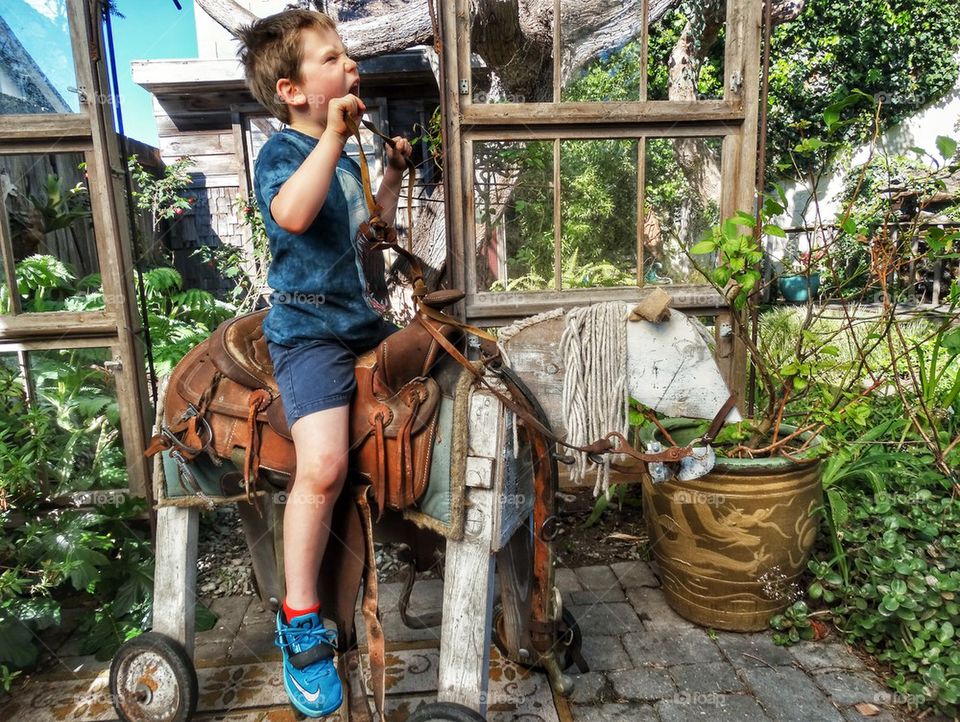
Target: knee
[{"x": 321, "y": 475}]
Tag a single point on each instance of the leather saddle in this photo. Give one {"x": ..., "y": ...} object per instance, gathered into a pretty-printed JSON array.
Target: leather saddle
[{"x": 222, "y": 399}]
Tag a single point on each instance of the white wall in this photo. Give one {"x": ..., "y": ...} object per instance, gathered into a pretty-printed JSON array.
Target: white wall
[
  {"x": 215, "y": 42},
  {"x": 920, "y": 130}
]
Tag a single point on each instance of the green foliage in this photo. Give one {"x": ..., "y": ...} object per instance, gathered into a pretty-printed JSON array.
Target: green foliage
[
  {"x": 900, "y": 598},
  {"x": 61, "y": 208},
  {"x": 902, "y": 54},
  {"x": 793, "y": 625},
  {"x": 161, "y": 197}
]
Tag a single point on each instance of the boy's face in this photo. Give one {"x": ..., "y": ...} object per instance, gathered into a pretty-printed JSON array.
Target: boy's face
[{"x": 326, "y": 73}]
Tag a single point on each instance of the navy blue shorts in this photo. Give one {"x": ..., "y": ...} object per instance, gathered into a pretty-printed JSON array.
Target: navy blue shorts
[{"x": 313, "y": 377}]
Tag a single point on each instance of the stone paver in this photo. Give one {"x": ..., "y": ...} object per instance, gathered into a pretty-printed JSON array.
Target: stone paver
[
  {"x": 647, "y": 664},
  {"x": 826, "y": 654},
  {"x": 789, "y": 695},
  {"x": 849, "y": 688},
  {"x": 616, "y": 713},
  {"x": 604, "y": 653},
  {"x": 585, "y": 597},
  {"x": 588, "y": 687},
  {"x": 605, "y": 619},
  {"x": 567, "y": 580},
  {"x": 729, "y": 708},
  {"x": 667, "y": 647},
  {"x": 598, "y": 578},
  {"x": 635, "y": 574},
  {"x": 716, "y": 677},
  {"x": 653, "y": 609},
  {"x": 643, "y": 683},
  {"x": 754, "y": 649}
]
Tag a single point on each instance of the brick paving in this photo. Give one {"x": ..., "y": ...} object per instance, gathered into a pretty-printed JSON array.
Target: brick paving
[{"x": 647, "y": 664}]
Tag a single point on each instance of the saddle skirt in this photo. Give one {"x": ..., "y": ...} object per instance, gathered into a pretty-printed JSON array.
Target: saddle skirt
[{"x": 222, "y": 398}]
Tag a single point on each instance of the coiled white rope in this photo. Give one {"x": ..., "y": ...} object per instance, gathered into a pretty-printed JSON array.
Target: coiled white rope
[{"x": 595, "y": 402}]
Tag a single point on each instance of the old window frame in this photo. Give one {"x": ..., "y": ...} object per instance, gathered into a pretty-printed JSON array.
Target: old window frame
[
  {"x": 732, "y": 118},
  {"x": 90, "y": 131}
]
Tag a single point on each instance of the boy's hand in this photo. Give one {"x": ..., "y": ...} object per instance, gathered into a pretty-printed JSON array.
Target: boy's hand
[
  {"x": 341, "y": 108},
  {"x": 398, "y": 155}
]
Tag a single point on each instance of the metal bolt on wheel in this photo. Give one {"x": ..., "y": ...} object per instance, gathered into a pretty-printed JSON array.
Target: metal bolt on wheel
[
  {"x": 152, "y": 679},
  {"x": 445, "y": 712}
]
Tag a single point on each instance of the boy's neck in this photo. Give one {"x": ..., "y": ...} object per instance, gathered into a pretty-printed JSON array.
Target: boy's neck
[{"x": 308, "y": 127}]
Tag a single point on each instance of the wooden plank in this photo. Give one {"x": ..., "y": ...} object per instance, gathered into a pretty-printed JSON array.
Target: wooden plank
[
  {"x": 484, "y": 433},
  {"x": 175, "y": 574},
  {"x": 453, "y": 20},
  {"x": 59, "y": 325},
  {"x": 108, "y": 203},
  {"x": 159, "y": 76},
  {"x": 468, "y": 609},
  {"x": 7, "y": 261},
  {"x": 487, "y": 307},
  {"x": 215, "y": 142},
  {"x": 174, "y": 125},
  {"x": 49, "y": 129},
  {"x": 680, "y": 112},
  {"x": 549, "y": 131}
]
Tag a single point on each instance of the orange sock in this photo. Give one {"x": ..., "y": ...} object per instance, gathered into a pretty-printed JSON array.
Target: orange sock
[{"x": 290, "y": 613}]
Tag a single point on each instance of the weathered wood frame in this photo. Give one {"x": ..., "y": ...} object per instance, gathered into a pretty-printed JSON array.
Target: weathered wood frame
[
  {"x": 117, "y": 327},
  {"x": 733, "y": 119}
]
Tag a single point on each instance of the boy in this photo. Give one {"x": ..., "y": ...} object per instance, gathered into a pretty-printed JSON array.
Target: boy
[{"x": 312, "y": 202}]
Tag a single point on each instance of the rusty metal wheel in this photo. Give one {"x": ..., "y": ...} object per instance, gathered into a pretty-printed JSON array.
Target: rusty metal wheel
[
  {"x": 153, "y": 680},
  {"x": 445, "y": 712}
]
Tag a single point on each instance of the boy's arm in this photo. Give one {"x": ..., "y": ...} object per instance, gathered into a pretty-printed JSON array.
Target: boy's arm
[
  {"x": 303, "y": 194},
  {"x": 389, "y": 190}
]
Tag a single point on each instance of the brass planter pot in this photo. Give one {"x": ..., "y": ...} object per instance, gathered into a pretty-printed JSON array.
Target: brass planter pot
[{"x": 731, "y": 545}]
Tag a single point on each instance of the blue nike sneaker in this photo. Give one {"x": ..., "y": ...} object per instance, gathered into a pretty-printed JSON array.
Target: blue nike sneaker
[{"x": 309, "y": 674}]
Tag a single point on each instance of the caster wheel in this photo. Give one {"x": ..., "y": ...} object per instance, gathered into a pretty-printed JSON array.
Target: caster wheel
[
  {"x": 152, "y": 678},
  {"x": 569, "y": 639},
  {"x": 445, "y": 712}
]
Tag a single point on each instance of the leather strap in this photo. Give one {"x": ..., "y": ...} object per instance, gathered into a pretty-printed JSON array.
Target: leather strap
[
  {"x": 376, "y": 649},
  {"x": 316, "y": 653},
  {"x": 718, "y": 420}
]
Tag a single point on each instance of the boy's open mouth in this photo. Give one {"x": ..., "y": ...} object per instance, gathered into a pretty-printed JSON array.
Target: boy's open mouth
[{"x": 355, "y": 89}]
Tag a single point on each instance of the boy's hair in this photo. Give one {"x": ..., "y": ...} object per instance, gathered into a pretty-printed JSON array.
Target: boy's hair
[{"x": 272, "y": 49}]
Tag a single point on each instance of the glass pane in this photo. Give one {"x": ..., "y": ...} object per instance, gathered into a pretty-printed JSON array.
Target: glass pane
[
  {"x": 600, "y": 50},
  {"x": 71, "y": 440},
  {"x": 513, "y": 195},
  {"x": 685, "y": 51},
  {"x": 511, "y": 53},
  {"x": 51, "y": 229},
  {"x": 682, "y": 203},
  {"x": 36, "y": 59},
  {"x": 598, "y": 207}
]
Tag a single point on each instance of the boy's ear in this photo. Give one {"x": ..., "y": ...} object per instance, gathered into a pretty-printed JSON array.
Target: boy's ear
[{"x": 289, "y": 92}]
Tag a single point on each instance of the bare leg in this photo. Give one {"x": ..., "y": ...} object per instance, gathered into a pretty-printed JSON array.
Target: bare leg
[{"x": 322, "y": 443}]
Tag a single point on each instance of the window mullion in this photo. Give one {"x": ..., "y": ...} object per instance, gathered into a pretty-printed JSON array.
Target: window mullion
[
  {"x": 641, "y": 204},
  {"x": 557, "y": 237},
  {"x": 644, "y": 37},
  {"x": 6, "y": 255}
]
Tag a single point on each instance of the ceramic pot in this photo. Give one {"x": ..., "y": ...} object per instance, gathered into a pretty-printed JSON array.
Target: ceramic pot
[{"x": 732, "y": 544}]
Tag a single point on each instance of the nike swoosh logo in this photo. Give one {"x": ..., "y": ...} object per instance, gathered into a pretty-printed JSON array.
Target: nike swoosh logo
[{"x": 311, "y": 696}]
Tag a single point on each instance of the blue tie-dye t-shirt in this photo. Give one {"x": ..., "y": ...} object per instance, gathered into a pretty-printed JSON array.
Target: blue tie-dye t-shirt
[{"x": 319, "y": 288}]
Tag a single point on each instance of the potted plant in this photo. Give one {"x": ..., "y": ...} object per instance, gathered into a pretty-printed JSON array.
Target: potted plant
[
  {"x": 731, "y": 546},
  {"x": 800, "y": 281}
]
